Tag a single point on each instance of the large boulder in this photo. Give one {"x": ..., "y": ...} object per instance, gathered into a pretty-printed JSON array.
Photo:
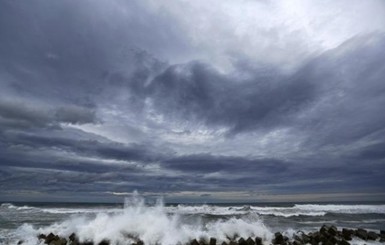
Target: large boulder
[
  {"x": 242, "y": 241},
  {"x": 361, "y": 233},
  {"x": 278, "y": 238},
  {"x": 194, "y": 242},
  {"x": 212, "y": 241},
  {"x": 343, "y": 242},
  {"x": 324, "y": 229},
  {"x": 60, "y": 241},
  {"x": 250, "y": 241},
  {"x": 372, "y": 235},
  {"x": 333, "y": 231},
  {"x": 51, "y": 237},
  {"x": 347, "y": 234}
]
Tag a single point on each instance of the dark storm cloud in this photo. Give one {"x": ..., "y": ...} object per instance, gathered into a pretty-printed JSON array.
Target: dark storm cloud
[
  {"x": 23, "y": 115},
  {"x": 197, "y": 92},
  {"x": 92, "y": 100},
  {"x": 208, "y": 164}
]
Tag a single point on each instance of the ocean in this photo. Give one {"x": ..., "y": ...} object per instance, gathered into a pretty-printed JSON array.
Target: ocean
[{"x": 179, "y": 223}]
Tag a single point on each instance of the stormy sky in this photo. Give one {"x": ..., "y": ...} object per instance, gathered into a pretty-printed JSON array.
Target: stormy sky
[{"x": 195, "y": 101}]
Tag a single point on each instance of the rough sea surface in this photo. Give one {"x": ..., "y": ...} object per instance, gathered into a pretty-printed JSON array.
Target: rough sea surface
[{"x": 173, "y": 224}]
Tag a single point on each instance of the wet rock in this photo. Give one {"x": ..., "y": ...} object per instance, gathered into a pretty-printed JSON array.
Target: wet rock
[
  {"x": 315, "y": 238},
  {"x": 258, "y": 241},
  {"x": 305, "y": 238},
  {"x": 242, "y": 241},
  {"x": 382, "y": 233},
  {"x": 104, "y": 242},
  {"x": 233, "y": 243},
  {"x": 333, "y": 230},
  {"x": 194, "y": 242},
  {"x": 296, "y": 242},
  {"x": 347, "y": 234},
  {"x": 202, "y": 241},
  {"x": 361, "y": 233},
  {"x": 41, "y": 236},
  {"x": 212, "y": 241},
  {"x": 278, "y": 238},
  {"x": 87, "y": 243},
  {"x": 20, "y": 242},
  {"x": 224, "y": 243},
  {"x": 343, "y": 242},
  {"x": 60, "y": 241},
  {"x": 372, "y": 235},
  {"x": 50, "y": 238},
  {"x": 250, "y": 241},
  {"x": 324, "y": 229},
  {"x": 72, "y": 237}
]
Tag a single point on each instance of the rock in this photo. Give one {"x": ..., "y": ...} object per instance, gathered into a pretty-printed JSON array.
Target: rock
[
  {"x": 361, "y": 233},
  {"x": 343, "y": 242},
  {"x": 242, "y": 241},
  {"x": 372, "y": 235},
  {"x": 315, "y": 238},
  {"x": 50, "y": 238},
  {"x": 87, "y": 243},
  {"x": 382, "y": 233},
  {"x": 105, "y": 242},
  {"x": 347, "y": 234},
  {"x": 72, "y": 237},
  {"x": 278, "y": 238},
  {"x": 60, "y": 241},
  {"x": 194, "y": 242},
  {"x": 324, "y": 229},
  {"x": 250, "y": 241},
  {"x": 333, "y": 230},
  {"x": 224, "y": 243},
  {"x": 212, "y": 241},
  {"x": 258, "y": 241},
  {"x": 305, "y": 238},
  {"x": 20, "y": 242},
  {"x": 233, "y": 243},
  {"x": 296, "y": 242},
  {"x": 41, "y": 236}
]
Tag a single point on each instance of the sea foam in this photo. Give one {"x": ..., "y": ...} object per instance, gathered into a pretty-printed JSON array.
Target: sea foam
[{"x": 152, "y": 225}]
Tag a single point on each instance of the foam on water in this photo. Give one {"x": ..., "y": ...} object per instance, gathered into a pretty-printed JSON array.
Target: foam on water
[
  {"x": 347, "y": 209},
  {"x": 177, "y": 224},
  {"x": 153, "y": 225}
]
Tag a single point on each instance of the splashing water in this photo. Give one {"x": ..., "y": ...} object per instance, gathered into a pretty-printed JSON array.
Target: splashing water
[{"x": 151, "y": 224}]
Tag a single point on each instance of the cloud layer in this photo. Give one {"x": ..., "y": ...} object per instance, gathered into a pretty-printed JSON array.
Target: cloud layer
[{"x": 252, "y": 100}]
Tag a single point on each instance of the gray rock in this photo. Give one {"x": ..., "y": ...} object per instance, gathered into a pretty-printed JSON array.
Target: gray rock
[
  {"x": 324, "y": 229},
  {"x": 278, "y": 238},
  {"x": 343, "y": 242},
  {"x": 250, "y": 241},
  {"x": 194, "y": 242},
  {"x": 333, "y": 230},
  {"x": 60, "y": 241},
  {"x": 347, "y": 234},
  {"x": 242, "y": 241},
  {"x": 212, "y": 241},
  {"x": 361, "y": 233},
  {"x": 372, "y": 235}
]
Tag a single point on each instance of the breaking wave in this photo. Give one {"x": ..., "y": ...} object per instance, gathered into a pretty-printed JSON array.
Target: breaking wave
[{"x": 153, "y": 225}]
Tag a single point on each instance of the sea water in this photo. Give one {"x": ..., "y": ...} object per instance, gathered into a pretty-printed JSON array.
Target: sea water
[{"x": 178, "y": 223}]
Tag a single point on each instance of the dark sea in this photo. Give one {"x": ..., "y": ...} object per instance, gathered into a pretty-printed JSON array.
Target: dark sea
[{"x": 178, "y": 223}]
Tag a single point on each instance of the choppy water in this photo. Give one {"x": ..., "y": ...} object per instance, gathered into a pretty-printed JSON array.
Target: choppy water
[{"x": 170, "y": 224}]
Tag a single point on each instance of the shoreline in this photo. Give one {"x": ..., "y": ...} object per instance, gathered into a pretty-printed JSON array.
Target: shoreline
[{"x": 326, "y": 235}]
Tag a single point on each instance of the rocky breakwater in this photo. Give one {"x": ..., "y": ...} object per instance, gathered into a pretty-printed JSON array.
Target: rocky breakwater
[{"x": 326, "y": 235}]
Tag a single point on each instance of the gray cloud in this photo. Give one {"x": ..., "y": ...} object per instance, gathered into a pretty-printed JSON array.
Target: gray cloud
[{"x": 102, "y": 97}]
